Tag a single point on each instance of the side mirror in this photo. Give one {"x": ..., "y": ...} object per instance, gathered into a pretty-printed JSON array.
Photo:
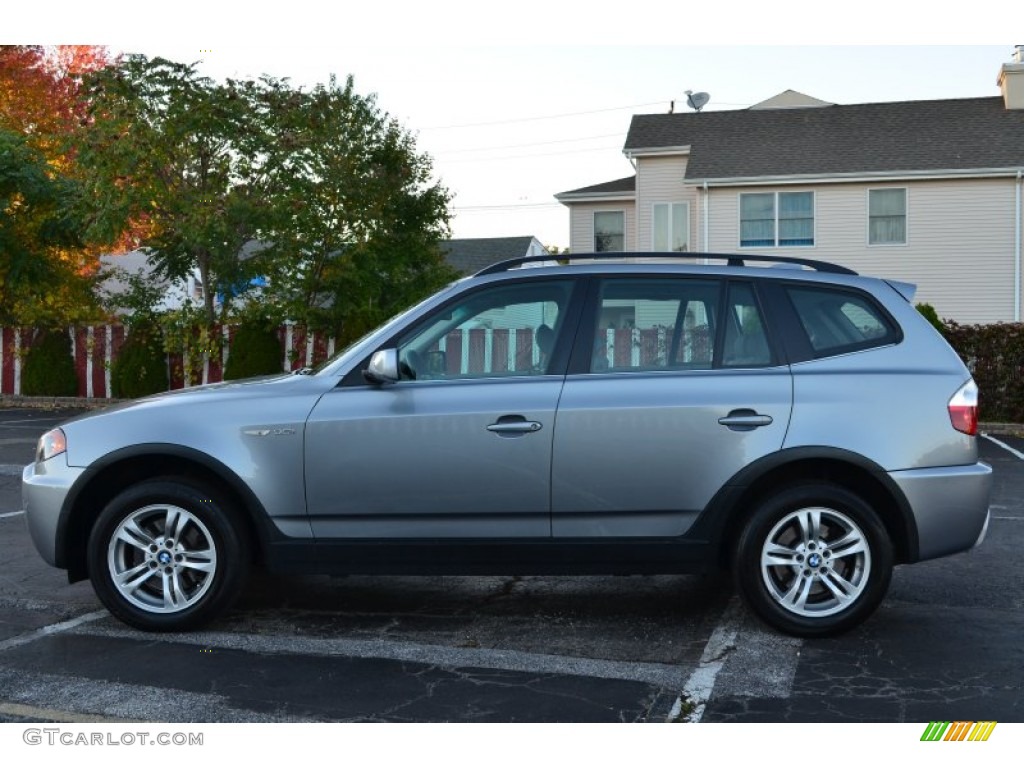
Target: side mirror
[{"x": 383, "y": 368}]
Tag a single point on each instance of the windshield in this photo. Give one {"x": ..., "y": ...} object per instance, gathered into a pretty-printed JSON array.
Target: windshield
[{"x": 320, "y": 367}]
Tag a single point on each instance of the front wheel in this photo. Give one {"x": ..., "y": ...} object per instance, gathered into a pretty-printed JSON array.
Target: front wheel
[
  {"x": 166, "y": 555},
  {"x": 813, "y": 560}
]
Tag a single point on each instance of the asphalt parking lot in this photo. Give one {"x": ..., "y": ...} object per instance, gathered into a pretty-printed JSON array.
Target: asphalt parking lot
[{"x": 944, "y": 645}]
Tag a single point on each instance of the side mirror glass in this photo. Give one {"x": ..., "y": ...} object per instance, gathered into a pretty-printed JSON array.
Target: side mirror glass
[{"x": 383, "y": 368}]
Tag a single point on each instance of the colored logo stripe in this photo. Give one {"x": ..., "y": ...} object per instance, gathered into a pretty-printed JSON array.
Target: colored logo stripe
[{"x": 960, "y": 730}]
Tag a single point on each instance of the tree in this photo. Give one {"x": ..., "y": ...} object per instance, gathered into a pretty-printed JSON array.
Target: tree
[
  {"x": 358, "y": 219},
  {"x": 39, "y": 91},
  {"x": 45, "y": 264},
  {"x": 43, "y": 274},
  {"x": 166, "y": 145}
]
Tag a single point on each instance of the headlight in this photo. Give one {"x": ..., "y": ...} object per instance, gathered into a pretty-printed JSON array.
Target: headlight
[{"x": 53, "y": 443}]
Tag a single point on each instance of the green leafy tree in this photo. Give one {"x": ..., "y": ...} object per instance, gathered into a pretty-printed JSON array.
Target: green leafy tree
[
  {"x": 44, "y": 279},
  {"x": 358, "y": 217},
  {"x": 164, "y": 145}
]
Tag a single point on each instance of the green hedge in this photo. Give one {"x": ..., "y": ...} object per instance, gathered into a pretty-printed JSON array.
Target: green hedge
[
  {"x": 255, "y": 350},
  {"x": 49, "y": 369},
  {"x": 141, "y": 365},
  {"x": 995, "y": 356}
]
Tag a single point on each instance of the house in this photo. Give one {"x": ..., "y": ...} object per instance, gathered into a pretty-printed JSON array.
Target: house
[
  {"x": 118, "y": 268},
  {"x": 469, "y": 255},
  {"x": 928, "y": 192}
]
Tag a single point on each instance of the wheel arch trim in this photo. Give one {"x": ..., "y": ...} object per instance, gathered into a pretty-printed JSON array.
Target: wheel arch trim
[
  {"x": 725, "y": 507},
  {"x": 252, "y": 507}
]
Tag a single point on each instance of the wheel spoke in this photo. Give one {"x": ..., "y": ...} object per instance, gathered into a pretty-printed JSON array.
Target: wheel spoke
[
  {"x": 129, "y": 580},
  {"x": 796, "y": 597},
  {"x": 204, "y": 560},
  {"x": 174, "y": 523},
  {"x": 174, "y": 596},
  {"x": 133, "y": 536},
  {"x": 843, "y": 591},
  {"x": 852, "y": 543},
  {"x": 778, "y": 555},
  {"x": 809, "y": 521}
]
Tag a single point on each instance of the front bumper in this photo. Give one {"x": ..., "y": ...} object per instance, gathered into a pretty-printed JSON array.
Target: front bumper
[
  {"x": 44, "y": 487},
  {"x": 949, "y": 504}
]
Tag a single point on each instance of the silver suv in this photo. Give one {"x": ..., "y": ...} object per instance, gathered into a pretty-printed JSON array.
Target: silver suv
[{"x": 803, "y": 427}]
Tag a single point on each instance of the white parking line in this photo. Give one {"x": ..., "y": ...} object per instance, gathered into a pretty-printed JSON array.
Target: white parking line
[
  {"x": 12, "y": 514},
  {"x": 1004, "y": 446},
  {"x": 44, "y": 714},
  {"x": 11, "y": 470},
  {"x": 51, "y": 629},
  {"x": 698, "y": 689}
]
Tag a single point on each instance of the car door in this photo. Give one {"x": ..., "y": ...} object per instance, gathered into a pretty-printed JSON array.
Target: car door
[
  {"x": 460, "y": 446},
  {"x": 673, "y": 389}
]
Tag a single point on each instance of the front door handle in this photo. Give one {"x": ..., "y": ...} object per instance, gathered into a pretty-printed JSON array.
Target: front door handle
[
  {"x": 744, "y": 420},
  {"x": 514, "y": 425}
]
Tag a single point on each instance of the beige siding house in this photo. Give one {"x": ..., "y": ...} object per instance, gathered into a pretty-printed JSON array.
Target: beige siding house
[{"x": 928, "y": 192}]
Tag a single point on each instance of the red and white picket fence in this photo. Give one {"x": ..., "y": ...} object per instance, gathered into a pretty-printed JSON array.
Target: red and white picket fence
[{"x": 95, "y": 347}]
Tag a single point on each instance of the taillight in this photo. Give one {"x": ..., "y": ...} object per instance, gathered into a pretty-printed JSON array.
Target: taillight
[{"x": 963, "y": 409}]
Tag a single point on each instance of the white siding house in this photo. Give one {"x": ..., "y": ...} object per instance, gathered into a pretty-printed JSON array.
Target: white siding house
[{"x": 928, "y": 192}]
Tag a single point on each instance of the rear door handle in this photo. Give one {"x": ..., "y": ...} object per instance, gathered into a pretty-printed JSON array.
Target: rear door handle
[{"x": 744, "y": 420}]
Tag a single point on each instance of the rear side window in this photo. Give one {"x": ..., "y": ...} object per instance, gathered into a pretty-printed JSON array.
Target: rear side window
[
  {"x": 655, "y": 324},
  {"x": 838, "y": 321}
]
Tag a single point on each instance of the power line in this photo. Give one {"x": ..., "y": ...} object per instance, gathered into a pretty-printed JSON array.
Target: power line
[
  {"x": 540, "y": 117},
  {"x": 509, "y": 206},
  {"x": 521, "y": 157},
  {"x": 531, "y": 144}
]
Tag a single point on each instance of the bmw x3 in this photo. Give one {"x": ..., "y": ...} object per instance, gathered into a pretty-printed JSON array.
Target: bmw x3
[{"x": 802, "y": 428}]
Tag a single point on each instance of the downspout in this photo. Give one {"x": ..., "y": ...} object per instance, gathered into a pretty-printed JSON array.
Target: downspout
[
  {"x": 636, "y": 206},
  {"x": 707, "y": 205},
  {"x": 1017, "y": 247}
]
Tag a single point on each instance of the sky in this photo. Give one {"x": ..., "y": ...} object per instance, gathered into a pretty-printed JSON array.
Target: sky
[{"x": 517, "y": 102}]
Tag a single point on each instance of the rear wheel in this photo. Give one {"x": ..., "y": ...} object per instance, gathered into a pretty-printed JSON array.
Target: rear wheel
[
  {"x": 166, "y": 555},
  {"x": 814, "y": 560}
]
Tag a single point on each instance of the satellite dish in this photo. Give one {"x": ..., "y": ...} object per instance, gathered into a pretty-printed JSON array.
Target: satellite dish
[{"x": 697, "y": 100}]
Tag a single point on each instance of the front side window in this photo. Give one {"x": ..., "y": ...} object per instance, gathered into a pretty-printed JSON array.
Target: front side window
[
  {"x": 671, "y": 227},
  {"x": 887, "y": 216},
  {"x": 776, "y": 219},
  {"x": 651, "y": 325},
  {"x": 838, "y": 321},
  {"x": 506, "y": 330},
  {"x": 609, "y": 231}
]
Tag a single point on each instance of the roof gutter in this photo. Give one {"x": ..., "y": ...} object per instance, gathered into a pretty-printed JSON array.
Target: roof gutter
[{"x": 847, "y": 178}]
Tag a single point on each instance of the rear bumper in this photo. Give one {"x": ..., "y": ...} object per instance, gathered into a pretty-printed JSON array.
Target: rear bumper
[
  {"x": 949, "y": 504},
  {"x": 44, "y": 486}
]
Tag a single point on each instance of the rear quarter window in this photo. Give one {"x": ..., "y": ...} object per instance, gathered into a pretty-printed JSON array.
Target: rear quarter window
[{"x": 838, "y": 320}]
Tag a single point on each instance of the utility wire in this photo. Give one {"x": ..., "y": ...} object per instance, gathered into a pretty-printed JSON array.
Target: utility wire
[{"x": 539, "y": 117}]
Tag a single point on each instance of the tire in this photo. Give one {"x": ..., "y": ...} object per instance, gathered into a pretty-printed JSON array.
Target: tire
[
  {"x": 167, "y": 555},
  {"x": 813, "y": 561}
]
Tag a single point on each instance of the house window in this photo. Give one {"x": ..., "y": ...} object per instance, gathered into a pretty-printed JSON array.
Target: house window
[
  {"x": 776, "y": 219},
  {"x": 671, "y": 227},
  {"x": 609, "y": 231},
  {"x": 887, "y": 216}
]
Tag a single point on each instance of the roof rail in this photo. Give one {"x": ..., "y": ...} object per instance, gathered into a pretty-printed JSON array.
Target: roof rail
[{"x": 732, "y": 260}]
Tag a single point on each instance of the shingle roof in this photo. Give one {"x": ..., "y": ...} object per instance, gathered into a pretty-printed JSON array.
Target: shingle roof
[
  {"x": 951, "y": 134},
  {"x": 625, "y": 185},
  {"x": 470, "y": 255}
]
